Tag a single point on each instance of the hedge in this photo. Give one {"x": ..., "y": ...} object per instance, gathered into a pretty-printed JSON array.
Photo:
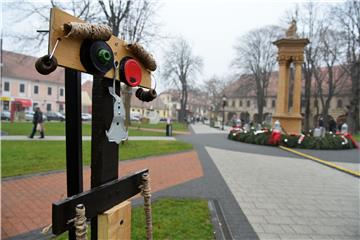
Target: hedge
[{"x": 329, "y": 141}]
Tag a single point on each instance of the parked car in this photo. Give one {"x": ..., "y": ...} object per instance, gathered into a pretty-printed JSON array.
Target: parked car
[
  {"x": 5, "y": 115},
  {"x": 29, "y": 116},
  {"x": 86, "y": 116},
  {"x": 134, "y": 118},
  {"x": 56, "y": 116}
]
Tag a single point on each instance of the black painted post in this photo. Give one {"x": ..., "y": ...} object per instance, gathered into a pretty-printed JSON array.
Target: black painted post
[
  {"x": 104, "y": 155},
  {"x": 74, "y": 174}
]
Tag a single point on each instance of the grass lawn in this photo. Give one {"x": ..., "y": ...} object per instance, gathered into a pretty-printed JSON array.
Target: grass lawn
[
  {"x": 25, "y": 157},
  {"x": 357, "y": 137},
  {"x": 162, "y": 125},
  {"x": 172, "y": 219},
  {"x": 58, "y": 129}
]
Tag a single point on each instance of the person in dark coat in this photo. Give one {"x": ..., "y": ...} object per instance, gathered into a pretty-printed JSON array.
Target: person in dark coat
[{"x": 37, "y": 120}]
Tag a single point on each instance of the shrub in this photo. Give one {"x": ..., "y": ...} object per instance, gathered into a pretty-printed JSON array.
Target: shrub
[{"x": 329, "y": 141}]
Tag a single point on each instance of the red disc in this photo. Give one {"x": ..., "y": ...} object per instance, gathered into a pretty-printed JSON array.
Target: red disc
[{"x": 132, "y": 71}]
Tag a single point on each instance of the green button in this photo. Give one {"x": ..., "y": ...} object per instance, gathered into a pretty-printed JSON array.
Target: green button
[{"x": 104, "y": 56}]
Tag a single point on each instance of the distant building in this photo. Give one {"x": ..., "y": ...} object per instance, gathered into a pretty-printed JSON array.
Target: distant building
[
  {"x": 23, "y": 88},
  {"x": 144, "y": 109},
  {"x": 242, "y": 101},
  {"x": 197, "y": 103}
]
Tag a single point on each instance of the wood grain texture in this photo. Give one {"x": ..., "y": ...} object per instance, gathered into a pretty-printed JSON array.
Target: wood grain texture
[
  {"x": 68, "y": 50},
  {"x": 115, "y": 223}
]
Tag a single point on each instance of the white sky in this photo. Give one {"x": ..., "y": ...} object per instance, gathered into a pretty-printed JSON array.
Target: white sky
[{"x": 212, "y": 27}]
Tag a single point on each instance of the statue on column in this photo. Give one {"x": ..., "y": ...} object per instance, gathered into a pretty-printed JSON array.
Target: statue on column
[{"x": 291, "y": 32}]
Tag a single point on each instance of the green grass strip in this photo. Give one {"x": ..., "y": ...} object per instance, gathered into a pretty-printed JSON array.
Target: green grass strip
[
  {"x": 26, "y": 157},
  {"x": 58, "y": 129},
  {"x": 172, "y": 219}
]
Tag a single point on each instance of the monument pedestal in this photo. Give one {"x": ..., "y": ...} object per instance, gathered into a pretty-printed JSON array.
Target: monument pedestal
[
  {"x": 291, "y": 123},
  {"x": 291, "y": 51}
]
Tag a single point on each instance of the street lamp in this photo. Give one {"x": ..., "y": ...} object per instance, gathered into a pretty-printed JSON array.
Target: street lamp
[{"x": 223, "y": 105}]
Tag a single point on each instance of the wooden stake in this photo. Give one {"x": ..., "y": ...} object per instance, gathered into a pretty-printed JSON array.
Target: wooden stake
[{"x": 115, "y": 223}]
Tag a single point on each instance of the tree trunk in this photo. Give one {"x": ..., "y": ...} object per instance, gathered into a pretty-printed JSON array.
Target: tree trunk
[
  {"x": 127, "y": 104},
  {"x": 307, "y": 95},
  {"x": 353, "y": 120}
]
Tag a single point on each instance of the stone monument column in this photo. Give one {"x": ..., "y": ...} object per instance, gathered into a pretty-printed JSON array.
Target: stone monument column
[{"x": 290, "y": 50}]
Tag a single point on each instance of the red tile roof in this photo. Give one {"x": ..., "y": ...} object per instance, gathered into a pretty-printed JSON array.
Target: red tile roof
[{"x": 20, "y": 66}]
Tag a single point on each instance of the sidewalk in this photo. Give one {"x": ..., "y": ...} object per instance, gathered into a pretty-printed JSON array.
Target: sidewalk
[
  {"x": 84, "y": 138},
  {"x": 160, "y": 130},
  {"x": 26, "y": 202}
]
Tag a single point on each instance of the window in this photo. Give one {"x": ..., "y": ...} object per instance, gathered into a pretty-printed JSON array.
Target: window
[
  {"x": 339, "y": 103},
  {"x": 36, "y": 89},
  {"x": 265, "y": 103},
  {"x": 248, "y": 103},
  {"x": 61, "y": 107},
  {"x": 22, "y": 88},
  {"x": 273, "y": 103},
  {"x": 48, "y": 107},
  {"x": 240, "y": 103},
  {"x": 49, "y": 90},
  {"x": 233, "y": 103},
  {"x": 6, "y": 86},
  {"x": 6, "y": 106},
  {"x": 35, "y": 105},
  {"x": 61, "y": 92}
]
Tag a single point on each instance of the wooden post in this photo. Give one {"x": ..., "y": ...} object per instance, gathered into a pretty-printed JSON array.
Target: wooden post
[
  {"x": 74, "y": 174},
  {"x": 104, "y": 155},
  {"x": 115, "y": 223}
]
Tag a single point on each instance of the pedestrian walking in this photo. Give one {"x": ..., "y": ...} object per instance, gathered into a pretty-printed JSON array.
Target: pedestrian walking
[{"x": 38, "y": 123}]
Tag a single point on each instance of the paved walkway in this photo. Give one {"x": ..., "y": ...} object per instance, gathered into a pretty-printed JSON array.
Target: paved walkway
[
  {"x": 262, "y": 192},
  {"x": 160, "y": 130},
  {"x": 287, "y": 198},
  {"x": 26, "y": 201},
  {"x": 84, "y": 138},
  {"x": 199, "y": 128}
]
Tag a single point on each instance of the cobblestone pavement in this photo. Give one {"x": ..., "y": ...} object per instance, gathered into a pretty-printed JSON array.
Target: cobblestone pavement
[
  {"x": 26, "y": 201},
  {"x": 288, "y": 198}
]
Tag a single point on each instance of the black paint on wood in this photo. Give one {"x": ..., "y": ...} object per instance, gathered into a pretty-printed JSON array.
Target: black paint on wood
[
  {"x": 96, "y": 201},
  {"x": 104, "y": 155},
  {"x": 74, "y": 174}
]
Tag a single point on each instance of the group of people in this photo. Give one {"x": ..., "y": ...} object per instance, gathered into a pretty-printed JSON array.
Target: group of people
[{"x": 38, "y": 123}]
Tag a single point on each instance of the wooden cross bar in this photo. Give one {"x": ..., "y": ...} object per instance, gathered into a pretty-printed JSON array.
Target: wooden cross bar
[{"x": 96, "y": 200}]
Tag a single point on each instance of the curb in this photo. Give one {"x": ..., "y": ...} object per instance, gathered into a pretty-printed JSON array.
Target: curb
[{"x": 324, "y": 162}]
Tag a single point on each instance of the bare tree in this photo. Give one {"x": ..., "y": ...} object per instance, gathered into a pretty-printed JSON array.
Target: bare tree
[
  {"x": 22, "y": 11},
  {"x": 179, "y": 69},
  {"x": 347, "y": 16},
  {"x": 138, "y": 27},
  {"x": 310, "y": 22},
  {"x": 331, "y": 78},
  {"x": 256, "y": 55},
  {"x": 214, "y": 88}
]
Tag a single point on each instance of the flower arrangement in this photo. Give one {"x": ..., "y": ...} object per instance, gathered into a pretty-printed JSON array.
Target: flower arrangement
[{"x": 274, "y": 137}]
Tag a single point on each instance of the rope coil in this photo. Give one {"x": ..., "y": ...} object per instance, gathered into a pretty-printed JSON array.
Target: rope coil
[
  {"x": 87, "y": 31},
  {"x": 80, "y": 222},
  {"x": 146, "y": 193},
  {"x": 145, "y": 58}
]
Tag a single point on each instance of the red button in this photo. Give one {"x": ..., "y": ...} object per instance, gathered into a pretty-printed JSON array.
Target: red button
[{"x": 133, "y": 73}]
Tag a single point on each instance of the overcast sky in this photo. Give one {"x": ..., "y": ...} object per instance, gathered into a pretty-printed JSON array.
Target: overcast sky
[{"x": 212, "y": 27}]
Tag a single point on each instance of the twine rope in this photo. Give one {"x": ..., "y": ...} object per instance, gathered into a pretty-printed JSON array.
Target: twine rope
[
  {"x": 80, "y": 222},
  {"x": 146, "y": 193},
  {"x": 87, "y": 31},
  {"x": 145, "y": 58}
]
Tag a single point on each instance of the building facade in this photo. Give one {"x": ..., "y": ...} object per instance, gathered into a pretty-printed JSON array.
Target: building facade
[
  {"x": 242, "y": 102},
  {"x": 23, "y": 88}
]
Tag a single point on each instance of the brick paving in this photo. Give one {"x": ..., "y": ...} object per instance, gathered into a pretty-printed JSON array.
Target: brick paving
[{"x": 26, "y": 202}]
